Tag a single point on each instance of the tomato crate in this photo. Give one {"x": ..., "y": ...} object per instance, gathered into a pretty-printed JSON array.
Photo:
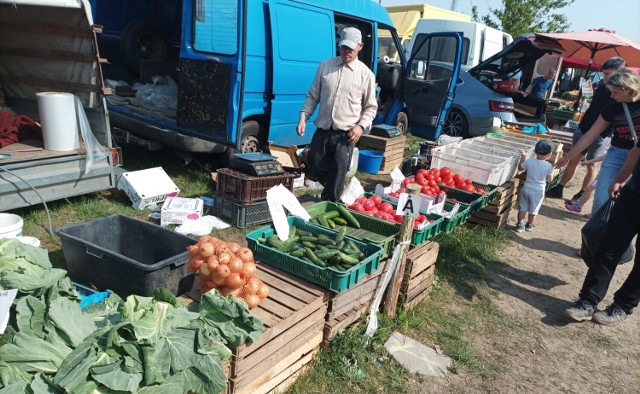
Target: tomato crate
[
  {"x": 486, "y": 198},
  {"x": 246, "y": 188},
  {"x": 328, "y": 277},
  {"x": 473, "y": 200},
  {"x": 241, "y": 215},
  {"x": 448, "y": 224},
  {"x": 418, "y": 237},
  {"x": 373, "y": 230}
]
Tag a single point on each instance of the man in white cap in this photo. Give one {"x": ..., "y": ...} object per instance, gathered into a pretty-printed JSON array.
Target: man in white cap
[{"x": 345, "y": 89}]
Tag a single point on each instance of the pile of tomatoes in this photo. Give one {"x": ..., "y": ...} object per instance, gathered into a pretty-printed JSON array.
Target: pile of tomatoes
[
  {"x": 374, "y": 206},
  {"x": 431, "y": 180}
]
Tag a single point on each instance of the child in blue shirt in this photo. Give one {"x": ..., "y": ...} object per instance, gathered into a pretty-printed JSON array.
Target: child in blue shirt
[{"x": 532, "y": 193}]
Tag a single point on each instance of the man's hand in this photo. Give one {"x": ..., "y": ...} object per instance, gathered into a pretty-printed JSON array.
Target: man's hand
[
  {"x": 614, "y": 189},
  {"x": 302, "y": 125},
  {"x": 561, "y": 163},
  {"x": 354, "y": 134}
]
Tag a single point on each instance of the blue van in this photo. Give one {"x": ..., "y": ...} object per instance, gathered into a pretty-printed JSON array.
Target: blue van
[{"x": 243, "y": 67}]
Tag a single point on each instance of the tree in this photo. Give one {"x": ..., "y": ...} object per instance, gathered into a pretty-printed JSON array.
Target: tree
[{"x": 518, "y": 17}]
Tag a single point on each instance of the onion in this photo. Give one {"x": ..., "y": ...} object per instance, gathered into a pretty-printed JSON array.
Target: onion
[
  {"x": 193, "y": 250},
  {"x": 205, "y": 271},
  {"x": 204, "y": 239},
  {"x": 252, "y": 300},
  {"x": 212, "y": 262},
  {"x": 223, "y": 270},
  {"x": 225, "y": 291},
  {"x": 263, "y": 291},
  {"x": 250, "y": 269},
  {"x": 245, "y": 254},
  {"x": 207, "y": 249},
  {"x": 224, "y": 258},
  {"x": 234, "y": 247},
  {"x": 221, "y": 249},
  {"x": 253, "y": 285},
  {"x": 235, "y": 280},
  {"x": 235, "y": 264},
  {"x": 190, "y": 266},
  {"x": 218, "y": 280},
  {"x": 197, "y": 263}
]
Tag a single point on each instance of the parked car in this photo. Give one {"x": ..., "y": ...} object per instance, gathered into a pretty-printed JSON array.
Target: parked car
[{"x": 478, "y": 97}]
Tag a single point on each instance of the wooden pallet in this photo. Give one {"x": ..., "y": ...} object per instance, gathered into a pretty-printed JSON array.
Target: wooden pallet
[
  {"x": 382, "y": 144},
  {"x": 504, "y": 197},
  {"x": 489, "y": 219},
  {"x": 293, "y": 317},
  {"x": 421, "y": 265},
  {"x": 346, "y": 308},
  {"x": 389, "y": 164}
]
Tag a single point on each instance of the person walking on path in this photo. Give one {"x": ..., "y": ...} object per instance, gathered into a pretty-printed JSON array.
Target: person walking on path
[
  {"x": 536, "y": 94},
  {"x": 576, "y": 204},
  {"x": 601, "y": 98},
  {"x": 345, "y": 89},
  {"x": 623, "y": 225},
  {"x": 532, "y": 194},
  {"x": 625, "y": 89}
]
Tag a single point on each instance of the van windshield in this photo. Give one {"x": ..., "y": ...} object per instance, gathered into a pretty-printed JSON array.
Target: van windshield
[
  {"x": 215, "y": 26},
  {"x": 442, "y": 50}
]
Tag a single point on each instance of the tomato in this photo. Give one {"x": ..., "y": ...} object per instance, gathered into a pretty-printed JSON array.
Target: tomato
[
  {"x": 357, "y": 207},
  {"x": 368, "y": 205},
  {"x": 361, "y": 199},
  {"x": 444, "y": 171},
  {"x": 469, "y": 188},
  {"x": 425, "y": 189},
  {"x": 450, "y": 183},
  {"x": 376, "y": 199},
  {"x": 420, "y": 179},
  {"x": 386, "y": 207},
  {"x": 453, "y": 200},
  {"x": 429, "y": 177},
  {"x": 394, "y": 194},
  {"x": 398, "y": 218},
  {"x": 456, "y": 178},
  {"x": 421, "y": 218},
  {"x": 432, "y": 183},
  {"x": 435, "y": 172},
  {"x": 422, "y": 171},
  {"x": 379, "y": 215},
  {"x": 438, "y": 179}
]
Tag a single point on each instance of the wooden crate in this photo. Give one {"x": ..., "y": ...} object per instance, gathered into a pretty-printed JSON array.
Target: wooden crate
[
  {"x": 421, "y": 265},
  {"x": 293, "y": 316},
  {"x": 392, "y": 148},
  {"x": 496, "y": 214},
  {"x": 346, "y": 308},
  {"x": 388, "y": 164}
]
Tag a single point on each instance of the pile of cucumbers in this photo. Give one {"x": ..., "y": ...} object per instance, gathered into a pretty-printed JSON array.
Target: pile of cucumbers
[
  {"x": 340, "y": 217},
  {"x": 321, "y": 250}
]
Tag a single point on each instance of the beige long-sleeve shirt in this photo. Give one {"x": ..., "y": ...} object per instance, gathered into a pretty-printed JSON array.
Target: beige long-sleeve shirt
[{"x": 346, "y": 93}]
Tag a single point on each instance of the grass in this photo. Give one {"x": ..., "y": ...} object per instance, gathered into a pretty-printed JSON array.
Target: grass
[{"x": 457, "y": 314}]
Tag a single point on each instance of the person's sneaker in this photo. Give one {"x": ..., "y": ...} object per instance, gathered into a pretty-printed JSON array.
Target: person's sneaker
[
  {"x": 520, "y": 227},
  {"x": 574, "y": 207},
  {"x": 611, "y": 316},
  {"x": 529, "y": 227},
  {"x": 576, "y": 197},
  {"x": 555, "y": 192},
  {"x": 580, "y": 311},
  {"x": 587, "y": 216}
]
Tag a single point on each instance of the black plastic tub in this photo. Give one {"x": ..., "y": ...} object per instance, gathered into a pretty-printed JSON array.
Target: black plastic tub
[{"x": 127, "y": 256}]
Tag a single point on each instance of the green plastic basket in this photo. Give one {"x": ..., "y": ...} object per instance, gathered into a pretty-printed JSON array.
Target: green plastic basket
[
  {"x": 374, "y": 230},
  {"x": 330, "y": 278},
  {"x": 418, "y": 237},
  {"x": 555, "y": 181},
  {"x": 491, "y": 190},
  {"x": 473, "y": 200},
  {"x": 448, "y": 224}
]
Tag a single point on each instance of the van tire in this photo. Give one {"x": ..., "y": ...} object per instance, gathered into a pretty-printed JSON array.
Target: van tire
[
  {"x": 140, "y": 41},
  {"x": 402, "y": 122},
  {"x": 456, "y": 124},
  {"x": 254, "y": 137}
]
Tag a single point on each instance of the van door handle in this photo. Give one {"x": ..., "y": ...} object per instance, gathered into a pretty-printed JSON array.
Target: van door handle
[{"x": 213, "y": 59}]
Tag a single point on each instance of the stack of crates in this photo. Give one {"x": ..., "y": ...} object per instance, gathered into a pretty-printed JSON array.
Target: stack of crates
[{"x": 242, "y": 199}]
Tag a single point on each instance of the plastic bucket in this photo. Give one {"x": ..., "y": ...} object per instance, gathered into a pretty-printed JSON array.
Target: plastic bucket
[
  {"x": 10, "y": 225},
  {"x": 58, "y": 118},
  {"x": 370, "y": 161}
]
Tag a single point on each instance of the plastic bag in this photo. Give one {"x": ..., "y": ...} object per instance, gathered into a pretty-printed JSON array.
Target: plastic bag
[
  {"x": 593, "y": 231},
  {"x": 95, "y": 151}
]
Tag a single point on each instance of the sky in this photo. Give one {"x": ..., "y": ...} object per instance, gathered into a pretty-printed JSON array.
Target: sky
[{"x": 623, "y": 16}]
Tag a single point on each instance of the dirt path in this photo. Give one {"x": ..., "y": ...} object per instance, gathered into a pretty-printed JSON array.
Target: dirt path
[{"x": 543, "y": 277}]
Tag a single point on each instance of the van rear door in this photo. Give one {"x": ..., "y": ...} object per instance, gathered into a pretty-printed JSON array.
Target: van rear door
[
  {"x": 211, "y": 67},
  {"x": 428, "y": 92},
  {"x": 302, "y": 37}
]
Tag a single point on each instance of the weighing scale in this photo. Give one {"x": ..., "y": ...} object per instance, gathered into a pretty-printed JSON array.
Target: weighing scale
[
  {"x": 385, "y": 130},
  {"x": 256, "y": 164}
]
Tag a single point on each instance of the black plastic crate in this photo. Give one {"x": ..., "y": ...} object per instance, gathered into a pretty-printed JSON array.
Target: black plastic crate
[
  {"x": 127, "y": 255},
  {"x": 241, "y": 215},
  {"x": 247, "y": 189}
]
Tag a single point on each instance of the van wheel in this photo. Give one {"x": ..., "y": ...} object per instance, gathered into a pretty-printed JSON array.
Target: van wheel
[
  {"x": 253, "y": 137},
  {"x": 140, "y": 41},
  {"x": 402, "y": 122},
  {"x": 456, "y": 124}
]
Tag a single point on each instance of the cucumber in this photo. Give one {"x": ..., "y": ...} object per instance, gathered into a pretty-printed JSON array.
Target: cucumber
[
  {"x": 309, "y": 253},
  {"x": 309, "y": 238},
  {"x": 344, "y": 213},
  {"x": 323, "y": 221},
  {"x": 298, "y": 253},
  {"x": 339, "y": 221},
  {"x": 326, "y": 254},
  {"x": 331, "y": 223},
  {"x": 275, "y": 242},
  {"x": 308, "y": 244},
  {"x": 292, "y": 231},
  {"x": 325, "y": 241},
  {"x": 341, "y": 234},
  {"x": 303, "y": 233},
  {"x": 322, "y": 247},
  {"x": 261, "y": 240},
  {"x": 347, "y": 259},
  {"x": 331, "y": 215},
  {"x": 335, "y": 260}
]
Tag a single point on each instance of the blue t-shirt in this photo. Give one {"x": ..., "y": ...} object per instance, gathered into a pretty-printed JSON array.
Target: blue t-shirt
[{"x": 539, "y": 87}]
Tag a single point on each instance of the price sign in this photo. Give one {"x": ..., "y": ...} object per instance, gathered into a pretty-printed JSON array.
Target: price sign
[
  {"x": 408, "y": 205},
  {"x": 6, "y": 299}
]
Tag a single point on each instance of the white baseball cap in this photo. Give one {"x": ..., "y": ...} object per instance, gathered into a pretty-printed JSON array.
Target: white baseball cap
[{"x": 350, "y": 37}]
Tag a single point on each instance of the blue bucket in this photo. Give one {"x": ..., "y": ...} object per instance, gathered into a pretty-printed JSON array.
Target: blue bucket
[{"x": 370, "y": 161}]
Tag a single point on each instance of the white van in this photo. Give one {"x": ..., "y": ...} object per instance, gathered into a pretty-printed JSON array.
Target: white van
[{"x": 479, "y": 42}]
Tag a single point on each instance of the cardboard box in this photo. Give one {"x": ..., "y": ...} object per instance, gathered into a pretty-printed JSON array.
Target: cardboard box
[
  {"x": 177, "y": 210},
  {"x": 147, "y": 187}
]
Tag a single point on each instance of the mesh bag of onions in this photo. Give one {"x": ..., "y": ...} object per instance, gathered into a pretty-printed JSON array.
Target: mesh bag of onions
[{"x": 227, "y": 267}]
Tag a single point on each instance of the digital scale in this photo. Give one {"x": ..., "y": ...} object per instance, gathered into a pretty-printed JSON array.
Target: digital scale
[
  {"x": 385, "y": 130},
  {"x": 256, "y": 164}
]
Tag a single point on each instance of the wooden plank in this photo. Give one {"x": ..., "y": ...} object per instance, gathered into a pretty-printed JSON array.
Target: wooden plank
[
  {"x": 332, "y": 327},
  {"x": 276, "y": 364},
  {"x": 495, "y": 209},
  {"x": 417, "y": 300},
  {"x": 36, "y": 154},
  {"x": 421, "y": 282},
  {"x": 369, "y": 141},
  {"x": 309, "y": 287},
  {"x": 52, "y": 83},
  {"x": 339, "y": 300},
  {"x": 279, "y": 346},
  {"x": 423, "y": 257}
]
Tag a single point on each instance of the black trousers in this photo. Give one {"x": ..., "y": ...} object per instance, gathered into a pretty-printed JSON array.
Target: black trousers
[
  {"x": 541, "y": 105},
  {"x": 623, "y": 225},
  {"x": 328, "y": 161}
]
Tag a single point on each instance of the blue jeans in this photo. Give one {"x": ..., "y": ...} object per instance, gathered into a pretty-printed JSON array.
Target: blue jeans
[{"x": 611, "y": 164}]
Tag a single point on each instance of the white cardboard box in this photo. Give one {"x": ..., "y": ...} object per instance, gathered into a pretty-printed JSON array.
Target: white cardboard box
[
  {"x": 177, "y": 210},
  {"x": 147, "y": 187}
]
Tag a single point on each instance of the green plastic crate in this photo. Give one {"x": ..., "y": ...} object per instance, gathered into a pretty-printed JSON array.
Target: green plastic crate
[
  {"x": 418, "y": 237},
  {"x": 491, "y": 190},
  {"x": 448, "y": 224},
  {"x": 473, "y": 200},
  {"x": 374, "y": 230},
  {"x": 330, "y": 278}
]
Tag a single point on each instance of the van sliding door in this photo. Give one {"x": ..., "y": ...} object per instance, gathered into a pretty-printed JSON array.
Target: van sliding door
[{"x": 302, "y": 37}]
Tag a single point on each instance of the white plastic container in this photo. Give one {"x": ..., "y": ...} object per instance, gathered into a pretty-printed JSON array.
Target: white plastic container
[
  {"x": 513, "y": 156},
  {"x": 58, "y": 119},
  {"x": 10, "y": 225},
  {"x": 479, "y": 167}
]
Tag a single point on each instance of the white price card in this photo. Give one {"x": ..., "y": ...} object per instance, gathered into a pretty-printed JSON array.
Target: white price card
[
  {"x": 352, "y": 192},
  {"x": 408, "y": 205},
  {"x": 6, "y": 299},
  {"x": 396, "y": 179}
]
